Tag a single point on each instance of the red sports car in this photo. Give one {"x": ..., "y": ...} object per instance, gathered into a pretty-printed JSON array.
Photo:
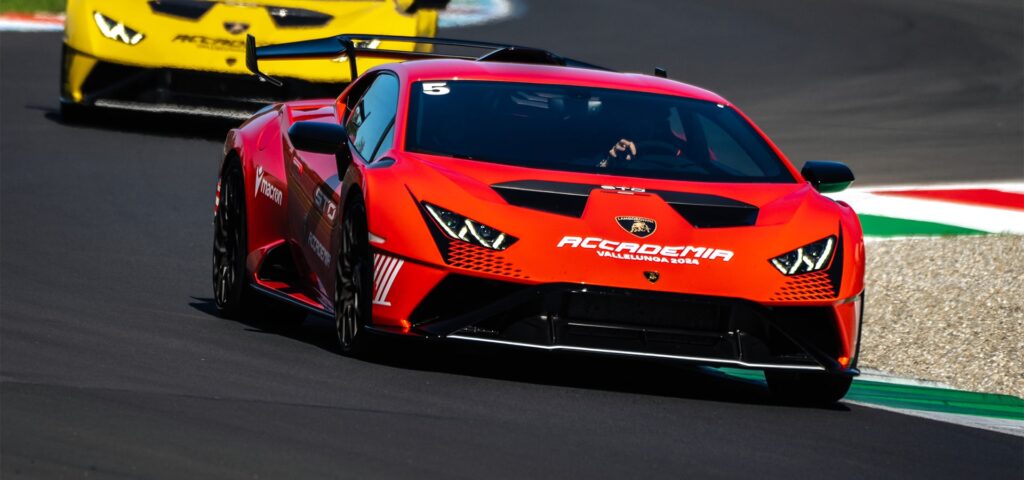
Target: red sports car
[{"x": 521, "y": 198}]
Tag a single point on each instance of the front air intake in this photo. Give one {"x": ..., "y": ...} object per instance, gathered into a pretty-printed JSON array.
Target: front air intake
[{"x": 457, "y": 295}]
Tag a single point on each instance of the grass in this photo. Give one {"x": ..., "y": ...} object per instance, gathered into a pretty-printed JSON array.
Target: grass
[{"x": 31, "y": 6}]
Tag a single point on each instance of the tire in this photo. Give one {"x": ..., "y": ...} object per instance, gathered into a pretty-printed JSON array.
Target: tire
[
  {"x": 230, "y": 244},
  {"x": 807, "y": 388},
  {"x": 70, "y": 112},
  {"x": 354, "y": 283},
  {"x": 234, "y": 297},
  {"x": 73, "y": 113}
]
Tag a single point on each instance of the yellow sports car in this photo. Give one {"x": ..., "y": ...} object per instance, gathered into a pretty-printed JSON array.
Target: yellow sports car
[{"x": 188, "y": 56}]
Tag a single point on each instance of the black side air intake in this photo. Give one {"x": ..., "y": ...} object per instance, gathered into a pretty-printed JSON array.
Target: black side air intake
[{"x": 458, "y": 294}]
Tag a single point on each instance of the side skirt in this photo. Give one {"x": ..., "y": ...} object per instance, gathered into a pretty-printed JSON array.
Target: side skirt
[{"x": 291, "y": 301}]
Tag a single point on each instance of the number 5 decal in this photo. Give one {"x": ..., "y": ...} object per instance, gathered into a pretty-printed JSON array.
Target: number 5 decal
[{"x": 436, "y": 88}]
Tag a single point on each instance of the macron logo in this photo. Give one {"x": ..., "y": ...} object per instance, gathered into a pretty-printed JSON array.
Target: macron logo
[
  {"x": 266, "y": 188},
  {"x": 259, "y": 180}
]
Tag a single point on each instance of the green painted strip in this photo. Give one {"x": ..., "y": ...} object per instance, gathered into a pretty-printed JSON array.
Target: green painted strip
[
  {"x": 932, "y": 399},
  {"x": 912, "y": 397},
  {"x": 879, "y": 226},
  {"x": 743, "y": 374}
]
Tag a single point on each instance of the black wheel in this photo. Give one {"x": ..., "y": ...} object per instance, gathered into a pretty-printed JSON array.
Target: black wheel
[
  {"x": 72, "y": 113},
  {"x": 354, "y": 282},
  {"x": 230, "y": 244},
  {"x": 807, "y": 388},
  {"x": 231, "y": 291}
]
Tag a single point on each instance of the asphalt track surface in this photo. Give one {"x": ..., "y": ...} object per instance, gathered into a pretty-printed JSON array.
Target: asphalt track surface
[{"x": 113, "y": 364}]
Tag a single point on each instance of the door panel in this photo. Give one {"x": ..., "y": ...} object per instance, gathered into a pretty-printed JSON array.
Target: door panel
[{"x": 315, "y": 185}]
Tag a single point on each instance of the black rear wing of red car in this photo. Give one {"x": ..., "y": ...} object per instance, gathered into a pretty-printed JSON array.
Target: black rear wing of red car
[{"x": 352, "y": 46}]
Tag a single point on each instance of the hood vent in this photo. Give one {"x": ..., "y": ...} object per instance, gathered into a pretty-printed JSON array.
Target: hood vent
[
  {"x": 567, "y": 199},
  {"x": 710, "y": 211},
  {"x": 190, "y": 9},
  {"x": 570, "y": 199},
  {"x": 285, "y": 17}
]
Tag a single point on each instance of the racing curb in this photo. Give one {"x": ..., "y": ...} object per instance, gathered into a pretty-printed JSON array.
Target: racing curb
[
  {"x": 31, "y": 22},
  {"x": 934, "y": 210},
  {"x": 989, "y": 411}
]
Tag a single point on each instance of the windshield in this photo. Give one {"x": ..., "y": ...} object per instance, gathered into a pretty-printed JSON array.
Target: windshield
[{"x": 593, "y": 130}]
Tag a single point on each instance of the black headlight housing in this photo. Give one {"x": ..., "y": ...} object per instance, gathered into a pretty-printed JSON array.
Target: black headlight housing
[
  {"x": 809, "y": 258},
  {"x": 459, "y": 227}
]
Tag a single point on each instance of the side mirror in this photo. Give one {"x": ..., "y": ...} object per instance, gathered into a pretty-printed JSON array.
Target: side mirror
[
  {"x": 319, "y": 137},
  {"x": 827, "y": 177}
]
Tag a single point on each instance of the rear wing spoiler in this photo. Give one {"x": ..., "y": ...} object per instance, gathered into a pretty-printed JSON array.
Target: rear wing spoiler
[{"x": 353, "y": 45}]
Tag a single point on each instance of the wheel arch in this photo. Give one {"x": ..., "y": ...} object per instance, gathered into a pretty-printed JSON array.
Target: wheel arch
[
  {"x": 256, "y": 147},
  {"x": 347, "y": 195}
]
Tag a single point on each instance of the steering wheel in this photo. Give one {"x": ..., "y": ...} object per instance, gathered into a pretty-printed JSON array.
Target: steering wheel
[{"x": 652, "y": 153}]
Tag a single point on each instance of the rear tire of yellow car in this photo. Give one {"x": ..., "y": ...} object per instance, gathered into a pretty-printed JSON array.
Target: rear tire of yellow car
[
  {"x": 807, "y": 388},
  {"x": 72, "y": 113}
]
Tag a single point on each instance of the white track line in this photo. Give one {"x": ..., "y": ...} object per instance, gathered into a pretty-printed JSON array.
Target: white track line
[
  {"x": 1012, "y": 186},
  {"x": 1000, "y": 425}
]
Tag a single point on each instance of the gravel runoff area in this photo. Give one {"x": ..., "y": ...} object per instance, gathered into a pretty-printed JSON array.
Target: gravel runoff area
[{"x": 948, "y": 309}]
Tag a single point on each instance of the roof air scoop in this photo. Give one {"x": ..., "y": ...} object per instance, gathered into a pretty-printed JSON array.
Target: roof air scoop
[{"x": 523, "y": 55}]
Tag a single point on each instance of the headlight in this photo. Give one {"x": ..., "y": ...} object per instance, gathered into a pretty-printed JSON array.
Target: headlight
[
  {"x": 115, "y": 30},
  {"x": 461, "y": 228},
  {"x": 806, "y": 259}
]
